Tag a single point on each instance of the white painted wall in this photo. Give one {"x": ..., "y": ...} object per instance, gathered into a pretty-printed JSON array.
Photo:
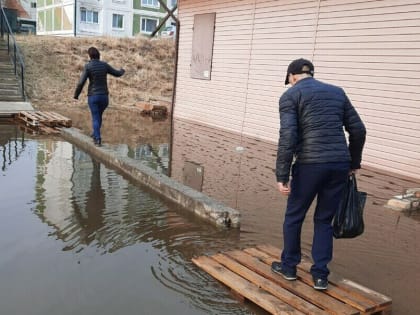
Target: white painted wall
[{"x": 26, "y": 4}]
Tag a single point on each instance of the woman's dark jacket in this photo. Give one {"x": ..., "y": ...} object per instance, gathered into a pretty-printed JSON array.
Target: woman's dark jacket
[
  {"x": 96, "y": 71},
  {"x": 312, "y": 116}
]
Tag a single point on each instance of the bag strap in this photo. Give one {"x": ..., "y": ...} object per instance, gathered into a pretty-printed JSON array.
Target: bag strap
[{"x": 352, "y": 177}]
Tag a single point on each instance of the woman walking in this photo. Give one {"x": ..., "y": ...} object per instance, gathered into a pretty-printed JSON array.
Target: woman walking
[{"x": 98, "y": 99}]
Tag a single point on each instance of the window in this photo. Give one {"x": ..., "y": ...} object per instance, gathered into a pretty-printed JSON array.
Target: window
[
  {"x": 148, "y": 25},
  {"x": 202, "y": 49},
  {"x": 150, "y": 3},
  {"x": 117, "y": 21},
  {"x": 33, "y": 5},
  {"x": 89, "y": 16}
]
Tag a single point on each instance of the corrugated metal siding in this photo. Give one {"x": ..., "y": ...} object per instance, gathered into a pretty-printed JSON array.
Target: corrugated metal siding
[{"x": 370, "y": 48}]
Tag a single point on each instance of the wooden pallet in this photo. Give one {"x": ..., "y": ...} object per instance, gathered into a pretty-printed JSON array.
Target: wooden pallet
[
  {"x": 38, "y": 118},
  {"x": 38, "y": 130},
  {"x": 248, "y": 273},
  {"x": 38, "y": 122}
]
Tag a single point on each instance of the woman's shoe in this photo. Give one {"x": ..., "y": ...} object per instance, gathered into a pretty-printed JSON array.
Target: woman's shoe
[{"x": 97, "y": 142}]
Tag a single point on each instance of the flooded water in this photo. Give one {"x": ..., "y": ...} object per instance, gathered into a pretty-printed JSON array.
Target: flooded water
[
  {"x": 78, "y": 237},
  {"x": 240, "y": 172}
]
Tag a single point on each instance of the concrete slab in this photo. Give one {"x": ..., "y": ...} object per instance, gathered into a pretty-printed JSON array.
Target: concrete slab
[
  {"x": 188, "y": 198},
  {"x": 11, "y": 108}
]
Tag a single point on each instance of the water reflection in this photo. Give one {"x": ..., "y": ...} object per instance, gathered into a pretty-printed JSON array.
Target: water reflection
[
  {"x": 156, "y": 156},
  {"x": 94, "y": 235},
  {"x": 244, "y": 179},
  {"x": 10, "y": 145},
  {"x": 106, "y": 243}
]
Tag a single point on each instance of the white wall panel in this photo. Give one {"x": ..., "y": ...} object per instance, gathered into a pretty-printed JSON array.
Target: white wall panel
[{"x": 370, "y": 48}]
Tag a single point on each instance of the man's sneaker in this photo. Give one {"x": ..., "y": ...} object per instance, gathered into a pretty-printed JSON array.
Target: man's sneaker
[
  {"x": 276, "y": 267},
  {"x": 320, "y": 284}
]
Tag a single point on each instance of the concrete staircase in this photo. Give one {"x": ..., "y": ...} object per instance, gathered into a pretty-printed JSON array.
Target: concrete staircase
[
  {"x": 10, "y": 85},
  {"x": 11, "y": 99}
]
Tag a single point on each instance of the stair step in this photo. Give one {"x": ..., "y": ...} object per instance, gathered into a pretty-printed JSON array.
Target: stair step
[
  {"x": 8, "y": 90},
  {"x": 9, "y": 83},
  {"x": 9, "y": 80},
  {"x": 9, "y": 86},
  {"x": 10, "y": 95},
  {"x": 7, "y": 73},
  {"x": 11, "y": 99}
]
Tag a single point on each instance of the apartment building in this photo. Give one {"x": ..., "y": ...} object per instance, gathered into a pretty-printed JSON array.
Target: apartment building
[
  {"x": 21, "y": 15},
  {"x": 120, "y": 18}
]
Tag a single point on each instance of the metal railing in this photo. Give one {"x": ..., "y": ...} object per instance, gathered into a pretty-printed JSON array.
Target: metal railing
[{"x": 12, "y": 49}]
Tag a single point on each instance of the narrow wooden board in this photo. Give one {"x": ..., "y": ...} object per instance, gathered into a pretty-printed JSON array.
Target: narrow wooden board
[
  {"x": 335, "y": 291},
  {"x": 28, "y": 129},
  {"x": 240, "y": 269},
  {"x": 244, "y": 287},
  {"x": 375, "y": 300},
  {"x": 320, "y": 299},
  {"x": 60, "y": 119},
  {"x": 50, "y": 119},
  {"x": 48, "y": 130},
  {"x": 28, "y": 118},
  {"x": 43, "y": 122},
  {"x": 271, "y": 287}
]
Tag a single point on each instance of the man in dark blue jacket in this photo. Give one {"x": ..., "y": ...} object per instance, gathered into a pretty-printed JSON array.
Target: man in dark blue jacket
[{"x": 313, "y": 151}]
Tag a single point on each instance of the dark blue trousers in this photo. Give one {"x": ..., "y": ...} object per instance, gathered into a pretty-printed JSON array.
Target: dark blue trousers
[
  {"x": 97, "y": 105},
  {"x": 326, "y": 181}
]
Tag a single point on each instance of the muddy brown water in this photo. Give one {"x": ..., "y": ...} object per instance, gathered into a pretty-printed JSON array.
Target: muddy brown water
[
  {"x": 76, "y": 236},
  {"x": 240, "y": 172}
]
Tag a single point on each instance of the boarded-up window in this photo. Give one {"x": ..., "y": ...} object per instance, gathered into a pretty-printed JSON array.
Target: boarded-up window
[{"x": 202, "y": 47}]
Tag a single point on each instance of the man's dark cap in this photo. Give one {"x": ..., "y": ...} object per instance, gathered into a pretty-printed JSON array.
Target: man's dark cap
[{"x": 296, "y": 67}]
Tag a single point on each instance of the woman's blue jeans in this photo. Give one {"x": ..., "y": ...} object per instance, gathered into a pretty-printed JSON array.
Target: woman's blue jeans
[
  {"x": 325, "y": 181},
  {"x": 97, "y": 105}
]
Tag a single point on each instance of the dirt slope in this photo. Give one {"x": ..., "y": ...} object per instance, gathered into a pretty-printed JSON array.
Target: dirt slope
[{"x": 54, "y": 64}]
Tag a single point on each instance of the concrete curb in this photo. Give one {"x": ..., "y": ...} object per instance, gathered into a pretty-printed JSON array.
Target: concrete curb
[{"x": 188, "y": 198}]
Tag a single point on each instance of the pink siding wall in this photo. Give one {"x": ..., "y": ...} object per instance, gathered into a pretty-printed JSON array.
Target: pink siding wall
[
  {"x": 370, "y": 48},
  {"x": 220, "y": 101}
]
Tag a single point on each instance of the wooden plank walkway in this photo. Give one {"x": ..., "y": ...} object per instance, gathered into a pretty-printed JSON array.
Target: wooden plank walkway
[
  {"x": 36, "y": 122},
  {"x": 248, "y": 273}
]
